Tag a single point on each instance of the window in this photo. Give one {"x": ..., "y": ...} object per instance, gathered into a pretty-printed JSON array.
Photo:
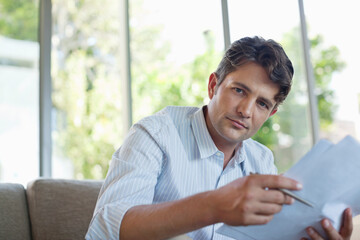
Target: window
[
  {"x": 87, "y": 119},
  {"x": 175, "y": 45},
  {"x": 171, "y": 60},
  {"x": 338, "y": 49},
  {"x": 19, "y": 91}
]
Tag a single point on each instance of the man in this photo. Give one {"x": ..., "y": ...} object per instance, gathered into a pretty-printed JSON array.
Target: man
[{"x": 187, "y": 170}]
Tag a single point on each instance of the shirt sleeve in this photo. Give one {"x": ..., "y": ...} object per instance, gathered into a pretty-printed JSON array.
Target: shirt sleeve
[{"x": 131, "y": 181}]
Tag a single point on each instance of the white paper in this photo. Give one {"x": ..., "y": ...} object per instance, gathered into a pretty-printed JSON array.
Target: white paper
[{"x": 330, "y": 177}]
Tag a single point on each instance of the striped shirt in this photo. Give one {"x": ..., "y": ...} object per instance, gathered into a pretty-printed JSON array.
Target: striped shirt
[{"x": 165, "y": 157}]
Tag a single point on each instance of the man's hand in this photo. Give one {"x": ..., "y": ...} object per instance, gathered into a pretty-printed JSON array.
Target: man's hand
[
  {"x": 344, "y": 233},
  {"x": 246, "y": 201},
  {"x": 252, "y": 200}
]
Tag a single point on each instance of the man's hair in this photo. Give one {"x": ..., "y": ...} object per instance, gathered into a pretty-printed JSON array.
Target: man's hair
[{"x": 267, "y": 53}]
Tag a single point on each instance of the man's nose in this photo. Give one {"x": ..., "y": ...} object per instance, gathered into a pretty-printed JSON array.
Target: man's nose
[{"x": 246, "y": 107}]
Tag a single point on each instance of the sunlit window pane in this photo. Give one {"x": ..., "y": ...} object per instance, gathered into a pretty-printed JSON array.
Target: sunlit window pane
[
  {"x": 287, "y": 133},
  {"x": 86, "y": 87},
  {"x": 333, "y": 24},
  {"x": 19, "y": 91},
  {"x": 175, "y": 45}
]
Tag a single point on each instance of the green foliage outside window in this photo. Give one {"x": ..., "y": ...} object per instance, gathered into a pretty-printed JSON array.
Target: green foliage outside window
[
  {"x": 86, "y": 86},
  {"x": 19, "y": 19}
]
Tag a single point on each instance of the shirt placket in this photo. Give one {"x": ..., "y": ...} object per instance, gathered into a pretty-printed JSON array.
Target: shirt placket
[{"x": 221, "y": 181}]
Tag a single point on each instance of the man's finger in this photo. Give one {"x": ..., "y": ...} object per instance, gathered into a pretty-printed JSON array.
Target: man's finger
[
  {"x": 268, "y": 209},
  {"x": 276, "y": 196},
  {"x": 330, "y": 230},
  {"x": 258, "y": 209},
  {"x": 275, "y": 181},
  {"x": 256, "y": 219},
  {"x": 313, "y": 234},
  {"x": 347, "y": 226}
]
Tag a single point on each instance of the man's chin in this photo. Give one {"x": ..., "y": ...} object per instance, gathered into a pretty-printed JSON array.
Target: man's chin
[
  {"x": 239, "y": 135},
  {"x": 237, "y": 139}
]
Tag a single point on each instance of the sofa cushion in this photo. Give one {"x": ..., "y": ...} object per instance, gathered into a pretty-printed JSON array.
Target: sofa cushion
[
  {"x": 14, "y": 218},
  {"x": 61, "y": 209}
]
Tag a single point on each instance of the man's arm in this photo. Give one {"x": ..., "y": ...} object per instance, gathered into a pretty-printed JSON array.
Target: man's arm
[
  {"x": 245, "y": 201},
  {"x": 130, "y": 181}
]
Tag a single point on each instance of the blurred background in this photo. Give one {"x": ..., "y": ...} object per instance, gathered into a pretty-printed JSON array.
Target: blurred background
[{"x": 173, "y": 47}]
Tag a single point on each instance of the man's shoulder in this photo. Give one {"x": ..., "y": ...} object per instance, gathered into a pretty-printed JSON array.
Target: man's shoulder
[
  {"x": 260, "y": 158},
  {"x": 178, "y": 112},
  {"x": 254, "y": 147},
  {"x": 170, "y": 116}
]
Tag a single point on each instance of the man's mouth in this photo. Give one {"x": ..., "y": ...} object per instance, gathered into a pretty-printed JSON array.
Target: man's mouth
[{"x": 238, "y": 123}]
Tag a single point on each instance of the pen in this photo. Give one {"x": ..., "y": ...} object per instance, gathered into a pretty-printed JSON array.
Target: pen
[{"x": 293, "y": 195}]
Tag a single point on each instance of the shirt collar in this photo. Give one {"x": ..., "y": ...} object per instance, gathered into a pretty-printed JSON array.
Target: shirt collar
[
  {"x": 204, "y": 141},
  {"x": 240, "y": 153}
]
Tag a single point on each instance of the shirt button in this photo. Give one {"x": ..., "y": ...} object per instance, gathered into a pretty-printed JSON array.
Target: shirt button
[{"x": 218, "y": 154}]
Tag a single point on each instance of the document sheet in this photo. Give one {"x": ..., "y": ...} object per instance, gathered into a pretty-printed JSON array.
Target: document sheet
[{"x": 330, "y": 175}]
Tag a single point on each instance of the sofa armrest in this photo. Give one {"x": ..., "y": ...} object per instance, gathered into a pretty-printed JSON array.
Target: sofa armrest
[
  {"x": 14, "y": 217},
  {"x": 61, "y": 209}
]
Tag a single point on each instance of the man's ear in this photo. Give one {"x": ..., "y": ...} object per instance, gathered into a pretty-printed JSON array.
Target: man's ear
[
  {"x": 212, "y": 85},
  {"x": 273, "y": 111}
]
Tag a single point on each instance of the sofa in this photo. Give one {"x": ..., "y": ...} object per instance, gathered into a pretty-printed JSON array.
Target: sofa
[
  {"x": 55, "y": 209},
  {"x": 47, "y": 209}
]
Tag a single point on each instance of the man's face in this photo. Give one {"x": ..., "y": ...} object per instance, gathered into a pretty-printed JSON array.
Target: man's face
[{"x": 240, "y": 105}]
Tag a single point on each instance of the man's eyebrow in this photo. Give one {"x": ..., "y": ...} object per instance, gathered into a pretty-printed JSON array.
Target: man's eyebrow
[
  {"x": 243, "y": 86},
  {"x": 266, "y": 100}
]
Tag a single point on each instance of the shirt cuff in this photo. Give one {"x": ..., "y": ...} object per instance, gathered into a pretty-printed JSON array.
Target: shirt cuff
[{"x": 107, "y": 220}]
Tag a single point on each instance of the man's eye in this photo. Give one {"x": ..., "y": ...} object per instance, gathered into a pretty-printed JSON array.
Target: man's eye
[
  {"x": 238, "y": 90},
  {"x": 262, "y": 104}
]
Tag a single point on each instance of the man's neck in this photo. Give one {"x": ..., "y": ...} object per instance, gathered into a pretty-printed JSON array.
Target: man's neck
[
  {"x": 225, "y": 147},
  {"x": 228, "y": 150}
]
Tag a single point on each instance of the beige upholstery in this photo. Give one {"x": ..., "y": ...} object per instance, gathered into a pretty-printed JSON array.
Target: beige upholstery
[
  {"x": 14, "y": 218},
  {"x": 61, "y": 209}
]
